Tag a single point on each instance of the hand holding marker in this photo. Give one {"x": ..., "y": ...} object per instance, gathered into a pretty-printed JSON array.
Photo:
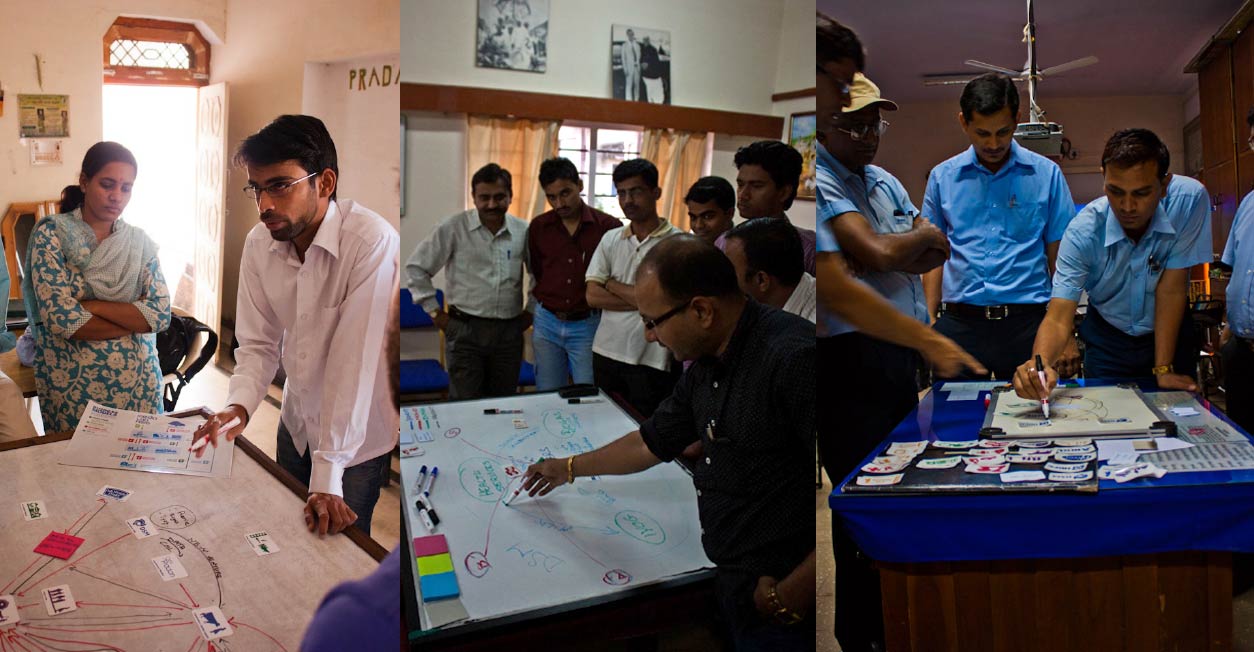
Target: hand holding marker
[
  {"x": 222, "y": 430},
  {"x": 521, "y": 481},
  {"x": 1040, "y": 373}
]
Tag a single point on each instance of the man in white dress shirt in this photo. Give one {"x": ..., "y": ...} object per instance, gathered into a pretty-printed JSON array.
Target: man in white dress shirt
[
  {"x": 770, "y": 265},
  {"x": 630, "y": 55},
  {"x": 316, "y": 279}
]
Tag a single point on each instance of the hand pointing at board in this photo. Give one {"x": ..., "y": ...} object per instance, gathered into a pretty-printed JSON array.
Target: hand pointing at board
[{"x": 546, "y": 475}]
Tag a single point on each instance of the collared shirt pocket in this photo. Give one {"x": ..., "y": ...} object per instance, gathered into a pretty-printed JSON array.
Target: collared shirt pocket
[{"x": 1024, "y": 220}]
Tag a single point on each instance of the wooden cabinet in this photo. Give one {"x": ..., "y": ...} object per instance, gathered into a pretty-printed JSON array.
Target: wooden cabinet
[
  {"x": 1215, "y": 82},
  {"x": 1221, "y": 183}
]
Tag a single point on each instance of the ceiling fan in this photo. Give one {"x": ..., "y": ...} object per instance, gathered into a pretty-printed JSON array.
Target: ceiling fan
[
  {"x": 1037, "y": 134},
  {"x": 1029, "y": 74}
]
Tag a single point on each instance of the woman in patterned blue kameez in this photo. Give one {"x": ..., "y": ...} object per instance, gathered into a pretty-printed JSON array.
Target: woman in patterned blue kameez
[{"x": 95, "y": 295}]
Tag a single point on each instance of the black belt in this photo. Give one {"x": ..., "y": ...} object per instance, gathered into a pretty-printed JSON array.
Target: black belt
[
  {"x": 456, "y": 313},
  {"x": 577, "y": 315},
  {"x": 992, "y": 313}
]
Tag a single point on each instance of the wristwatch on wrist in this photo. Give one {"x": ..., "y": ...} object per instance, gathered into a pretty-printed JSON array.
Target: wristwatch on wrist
[
  {"x": 781, "y": 614},
  {"x": 1160, "y": 370}
]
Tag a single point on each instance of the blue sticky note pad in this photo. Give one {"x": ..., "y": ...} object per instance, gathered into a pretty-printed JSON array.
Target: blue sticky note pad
[{"x": 438, "y": 586}]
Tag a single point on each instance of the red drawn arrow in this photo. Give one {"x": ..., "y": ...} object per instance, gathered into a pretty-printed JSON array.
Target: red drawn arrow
[{"x": 189, "y": 596}]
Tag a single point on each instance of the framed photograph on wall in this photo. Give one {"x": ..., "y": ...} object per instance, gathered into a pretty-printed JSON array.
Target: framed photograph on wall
[
  {"x": 513, "y": 35},
  {"x": 640, "y": 64},
  {"x": 801, "y": 136}
]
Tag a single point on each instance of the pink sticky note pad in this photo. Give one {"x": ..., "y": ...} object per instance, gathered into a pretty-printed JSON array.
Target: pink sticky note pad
[
  {"x": 432, "y": 545},
  {"x": 59, "y": 545}
]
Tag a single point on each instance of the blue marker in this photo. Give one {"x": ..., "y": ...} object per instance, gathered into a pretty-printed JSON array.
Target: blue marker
[
  {"x": 422, "y": 473},
  {"x": 435, "y": 470}
]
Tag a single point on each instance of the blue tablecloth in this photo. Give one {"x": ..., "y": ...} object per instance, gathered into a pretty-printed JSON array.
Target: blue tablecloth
[{"x": 1182, "y": 511}]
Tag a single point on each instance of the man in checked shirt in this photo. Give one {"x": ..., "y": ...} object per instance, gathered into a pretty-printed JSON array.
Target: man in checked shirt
[{"x": 749, "y": 398}]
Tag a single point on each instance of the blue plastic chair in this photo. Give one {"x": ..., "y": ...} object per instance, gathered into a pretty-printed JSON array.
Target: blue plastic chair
[{"x": 425, "y": 376}]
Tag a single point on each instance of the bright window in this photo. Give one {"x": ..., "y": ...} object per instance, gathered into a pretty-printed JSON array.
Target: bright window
[{"x": 595, "y": 151}]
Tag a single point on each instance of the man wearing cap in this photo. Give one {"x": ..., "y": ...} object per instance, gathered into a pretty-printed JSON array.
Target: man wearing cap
[
  {"x": 881, "y": 235},
  {"x": 1004, "y": 209}
]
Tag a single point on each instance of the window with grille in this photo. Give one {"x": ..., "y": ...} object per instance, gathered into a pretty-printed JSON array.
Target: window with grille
[
  {"x": 144, "y": 51},
  {"x": 595, "y": 151}
]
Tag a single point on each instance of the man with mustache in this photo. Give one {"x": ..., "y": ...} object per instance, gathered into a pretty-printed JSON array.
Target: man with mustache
[
  {"x": 316, "y": 278},
  {"x": 711, "y": 203},
  {"x": 1004, "y": 210},
  {"x": 482, "y": 252},
  {"x": 768, "y": 173},
  {"x": 1132, "y": 256},
  {"x": 623, "y": 361},
  {"x": 560, "y": 243}
]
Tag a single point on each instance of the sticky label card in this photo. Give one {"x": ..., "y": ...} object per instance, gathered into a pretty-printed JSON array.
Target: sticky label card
[
  {"x": 1107, "y": 472},
  {"x": 1075, "y": 450},
  {"x": 1022, "y": 476},
  {"x": 59, "y": 545},
  {"x": 1027, "y": 458},
  {"x": 910, "y": 448},
  {"x": 423, "y": 435},
  {"x": 1065, "y": 467},
  {"x": 1184, "y": 411},
  {"x": 262, "y": 543},
  {"x": 520, "y": 423},
  {"x": 141, "y": 527},
  {"x": 955, "y": 444},
  {"x": 881, "y": 468},
  {"x": 1036, "y": 443},
  {"x": 879, "y": 480},
  {"x": 430, "y": 545},
  {"x": 986, "y": 459},
  {"x": 438, "y": 586},
  {"x": 1142, "y": 470},
  {"x": 114, "y": 493},
  {"x": 169, "y": 567},
  {"x": 1034, "y": 424},
  {"x": 990, "y": 443},
  {"x": 213, "y": 625},
  {"x": 59, "y": 600},
  {"x": 34, "y": 510},
  {"x": 8, "y": 611},
  {"x": 435, "y": 564},
  {"x": 1071, "y": 477},
  {"x": 1074, "y": 441},
  {"x": 412, "y": 451},
  {"x": 987, "y": 468},
  {"x": 1075, "y": 457},
  {"x": 939, "y": 463}
]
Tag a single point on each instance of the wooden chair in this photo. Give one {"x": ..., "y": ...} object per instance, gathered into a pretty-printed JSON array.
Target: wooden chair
[{"x": 15, "y": 230}]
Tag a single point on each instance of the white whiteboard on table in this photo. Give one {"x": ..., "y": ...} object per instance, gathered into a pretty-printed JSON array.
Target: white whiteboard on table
[
  {"x": 1088, "y": 411},
  {"x": 589, "y": 539},
  {"x": 269, "y": 600}
]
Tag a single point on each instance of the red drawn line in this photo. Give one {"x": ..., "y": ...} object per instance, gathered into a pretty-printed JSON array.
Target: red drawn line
[
  {"x": 189, "y": 596},
  {"x": 23, "y": 572},
  {"x": 113, "y": 604},
  {"x": 239, "y": 624},
  {"x": 105, "y": 646},
  {"x": 4, "y": 647},
  {"x": 80, "y": 559},
  {"x": 195, "y": 643},
  {"x": 67, "y": 529},
  {"x": 499, "y": 457},
  {"x": 30, "y": 640},
  {"x": 24, "y": 606},
  {"x": 98, "y": 631},
  {"x": 16, "y": 643}
]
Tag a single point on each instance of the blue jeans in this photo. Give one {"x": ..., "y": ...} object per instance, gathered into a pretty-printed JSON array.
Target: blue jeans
[
  {"x": 560, "y": 343},
  {"x": 361, "y": 482}
]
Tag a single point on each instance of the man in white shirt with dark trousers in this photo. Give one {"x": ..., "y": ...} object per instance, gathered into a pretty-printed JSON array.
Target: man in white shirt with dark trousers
[{"x": 316, "y": 280}]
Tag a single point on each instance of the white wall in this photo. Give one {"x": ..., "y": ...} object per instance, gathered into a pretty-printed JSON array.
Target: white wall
[
  {"x": 361, "y": 117},
  {"x": 263, "y": 61},
  {"x": 712, "y": 69},
  {"x": 68, "y": 35}
]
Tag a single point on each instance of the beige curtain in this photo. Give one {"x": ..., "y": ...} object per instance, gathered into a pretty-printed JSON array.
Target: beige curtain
[
  {"x": 518, "y": 146},
  {"x": 679, "y": 157}
]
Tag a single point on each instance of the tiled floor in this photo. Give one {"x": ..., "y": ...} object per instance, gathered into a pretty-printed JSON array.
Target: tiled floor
[{"x": 1242, "y": 605}]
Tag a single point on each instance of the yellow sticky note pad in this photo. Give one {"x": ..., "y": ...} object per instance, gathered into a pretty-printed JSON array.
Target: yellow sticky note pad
[{"x": 435, "y": 564}]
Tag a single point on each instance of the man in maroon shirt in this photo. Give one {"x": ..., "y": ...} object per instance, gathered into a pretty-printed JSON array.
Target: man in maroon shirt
[{"x": 561, "y": 243}]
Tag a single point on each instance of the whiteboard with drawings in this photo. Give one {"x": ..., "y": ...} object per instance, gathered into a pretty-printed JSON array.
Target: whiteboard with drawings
[{"x": 585, "y": 540}]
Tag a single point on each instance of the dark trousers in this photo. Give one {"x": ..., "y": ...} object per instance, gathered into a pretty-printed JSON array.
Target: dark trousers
[
  {"x": 749, "y": 631},
  {"x": 361, "y": 483},
  {"x": 1238, "y": 360},
  {"x": 1001, "y": 345},
  {"x": 1112, "y": 353},
  {"x": 641, "y": 386},
  {"x": 483, "y": 355},
  {"x": 872, "y": 388}
]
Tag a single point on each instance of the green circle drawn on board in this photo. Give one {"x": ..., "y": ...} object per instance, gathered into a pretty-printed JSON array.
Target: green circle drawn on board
[{"x": 639, "y": 525}]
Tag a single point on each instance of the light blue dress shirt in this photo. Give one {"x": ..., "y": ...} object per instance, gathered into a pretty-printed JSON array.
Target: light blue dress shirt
[
  {"x": 883, "y": 201},
  {"x": 998, "y": 225},
  {"x": 1239, "y": 253},
  {"x": 1120, "y": 275}
]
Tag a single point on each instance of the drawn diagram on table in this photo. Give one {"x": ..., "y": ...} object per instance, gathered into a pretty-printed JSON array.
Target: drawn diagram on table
[
  {"x": 1063, "y": 406},
  {"x": 94, "y": 600},
  {"x": 1105, "y": 410},
  {"x": 606, "y": 532}
]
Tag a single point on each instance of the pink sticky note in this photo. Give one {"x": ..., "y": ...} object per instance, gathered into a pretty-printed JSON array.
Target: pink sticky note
[
  {"x": 59, "y": 545},
  {"x": 432, "y": 545}
]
